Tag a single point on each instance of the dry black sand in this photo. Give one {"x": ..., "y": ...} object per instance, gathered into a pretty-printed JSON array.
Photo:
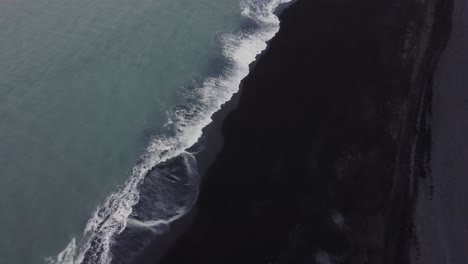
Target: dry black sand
[
  {"x": 442, "y": 216},
  {"x": 319, "y": 158}
]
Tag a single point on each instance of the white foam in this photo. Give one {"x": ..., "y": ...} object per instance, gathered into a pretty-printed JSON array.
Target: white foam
[
  {"x": 66, "y": 256},
  {"x": 111, "y": 218}
]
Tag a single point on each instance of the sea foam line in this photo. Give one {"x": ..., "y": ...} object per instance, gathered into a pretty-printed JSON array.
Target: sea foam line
[{"x": 111, "y": 218}]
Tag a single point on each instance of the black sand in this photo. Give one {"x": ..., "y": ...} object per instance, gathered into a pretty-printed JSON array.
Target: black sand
[{"x": 321, "y": 158}]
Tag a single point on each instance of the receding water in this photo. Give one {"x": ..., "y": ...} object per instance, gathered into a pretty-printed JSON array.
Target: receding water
[{"x": 83, "y": 84}]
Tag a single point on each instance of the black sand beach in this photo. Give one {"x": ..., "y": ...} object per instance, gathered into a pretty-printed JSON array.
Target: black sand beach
[{"x": 319, "y": 157}]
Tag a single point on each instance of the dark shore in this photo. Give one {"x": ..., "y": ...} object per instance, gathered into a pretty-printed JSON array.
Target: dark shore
[{"x": 319, "y": 157}]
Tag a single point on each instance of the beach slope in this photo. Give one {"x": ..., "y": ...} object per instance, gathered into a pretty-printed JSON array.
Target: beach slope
[{"x": 319, "y": 156}]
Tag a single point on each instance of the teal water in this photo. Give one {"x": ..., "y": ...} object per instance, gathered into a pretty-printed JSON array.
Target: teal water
[{"x": 82, "y": 85}]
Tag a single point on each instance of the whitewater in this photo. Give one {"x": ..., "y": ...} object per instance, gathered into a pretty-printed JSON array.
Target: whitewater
[{"x": 164, "y": 195}]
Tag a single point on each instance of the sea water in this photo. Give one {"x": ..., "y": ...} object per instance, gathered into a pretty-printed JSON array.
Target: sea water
[{"x": 95, "y": 93}]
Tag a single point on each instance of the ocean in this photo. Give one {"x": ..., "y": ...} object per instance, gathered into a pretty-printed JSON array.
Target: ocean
[{"x": 93, "y": 95}]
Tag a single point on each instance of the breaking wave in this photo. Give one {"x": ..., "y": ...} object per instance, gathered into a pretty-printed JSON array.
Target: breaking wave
[{"x": 156, "y": 193}]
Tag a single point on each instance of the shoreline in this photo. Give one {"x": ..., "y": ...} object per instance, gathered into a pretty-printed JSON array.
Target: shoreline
[
  {"x": 162, "y": 185},
  {"x": 205, "y": 152},
  {"x": 284, "y": 190}
]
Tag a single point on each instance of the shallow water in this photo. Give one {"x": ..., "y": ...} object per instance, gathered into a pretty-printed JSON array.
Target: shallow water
[{"x": 83, "y": 84}]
